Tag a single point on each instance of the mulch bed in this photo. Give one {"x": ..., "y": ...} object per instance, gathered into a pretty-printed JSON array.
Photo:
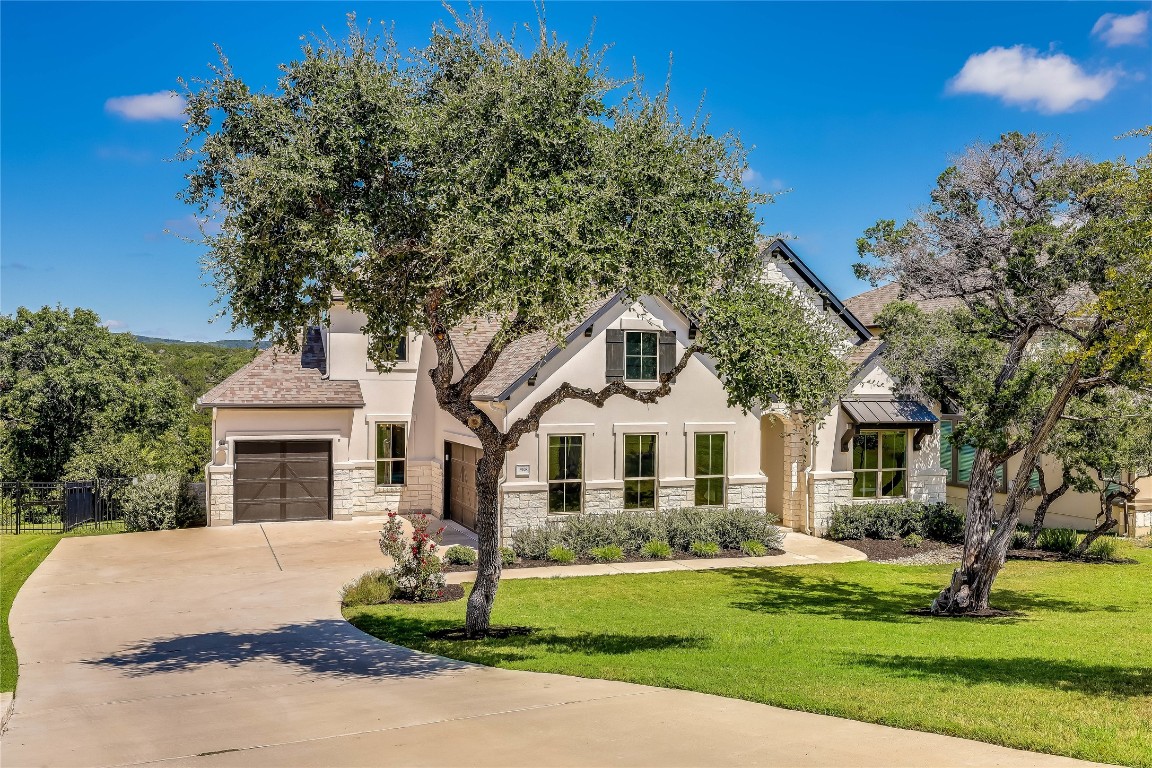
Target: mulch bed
[
  {"x": 451, "y": 592},
  {"x": 891, "y": 549},
  {"x": 633, "y": 558},
  {"x": 1057, "y": 557}
]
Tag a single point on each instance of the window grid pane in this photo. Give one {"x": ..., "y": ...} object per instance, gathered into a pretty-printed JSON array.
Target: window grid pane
[
  {"x": 641, "y": 362},
  {"x": 710, "y": 469},
  {"x": 639, "y": 471},
  {"x": 565, "y": 473},
  {"x": 390, "y": 454},
  {"x": 879, "y": 464}
]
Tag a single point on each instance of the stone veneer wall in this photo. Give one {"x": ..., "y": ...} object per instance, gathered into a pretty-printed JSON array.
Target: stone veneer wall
[
  {"x": 530, "y": 508},
  {"x": 220, "y": 498},
  {"x": 747, "y": 495},
  {"x": 830, "y": 489},
  {"x": 355, "y": 493},
  {"x": 928, "y": 486}
]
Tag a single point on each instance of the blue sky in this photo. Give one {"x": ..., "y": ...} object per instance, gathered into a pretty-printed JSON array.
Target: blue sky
[{"x": 854, "y": 107}]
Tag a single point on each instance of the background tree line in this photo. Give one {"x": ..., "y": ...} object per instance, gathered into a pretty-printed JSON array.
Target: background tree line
[{"x": 80, "y": 402}]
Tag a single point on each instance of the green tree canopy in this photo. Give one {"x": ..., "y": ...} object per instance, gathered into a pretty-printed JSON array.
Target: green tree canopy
[
  {"x": 487, "y": 176},
  {"x": 79, "y": 400},
  {"x": 1045, "y": 259}
]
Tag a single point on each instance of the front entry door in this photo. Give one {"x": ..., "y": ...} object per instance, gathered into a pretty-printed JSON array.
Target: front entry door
[{"x": 462, "y": 460}]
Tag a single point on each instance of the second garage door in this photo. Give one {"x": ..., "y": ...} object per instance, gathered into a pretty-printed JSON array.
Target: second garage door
[
  {"x": 282, "y": 480},
  {"x": 461, "y": 462}
]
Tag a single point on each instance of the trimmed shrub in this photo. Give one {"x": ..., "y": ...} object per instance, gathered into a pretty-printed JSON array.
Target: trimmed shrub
[
  {"x": 1105, "y": 548},
  {"x": 1019, "y": 538},
  {"x": 561, "y": 555},
  {"x": 942, "y": 522},
  {"x": 372, "y": 588},
  {"x": 607, "y": 554},
  {"x": 753, "y": 548},
  {"x": 155, "y": 502},
  {"x": 507, "y": 556},
  {"x": 657, "y": 549},
  {"x": 895, "y": 520},
  {"x": 1061, "y": 540},
  {"x": 458, "y": 554},
  {"x": 704, "y": 548},
  {"x": 689, "y": 524},
  {"x": 734, "y": 525},
  {"x": 912, "y": 540},
  {"x": 534, "y": 542}
]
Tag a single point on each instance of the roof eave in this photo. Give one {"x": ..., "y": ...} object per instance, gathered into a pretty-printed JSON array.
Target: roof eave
[{"x": 818, "y": 285}]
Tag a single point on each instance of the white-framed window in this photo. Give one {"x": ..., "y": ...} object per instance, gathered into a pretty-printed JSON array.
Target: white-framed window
[
  {"x": 641, "y": 355},
  {"x": 565, "y": 473},
  {"x": 390, "y": 454},
  {"x": 880, "y": 464},
  {"x": 640, "y": 471},
  {"x": 710, "y": 469}
]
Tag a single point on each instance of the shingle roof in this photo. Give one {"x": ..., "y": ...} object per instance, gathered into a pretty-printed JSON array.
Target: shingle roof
[
  {"x": 868, "y": 304},
  {"x": 279, "y": 379},
  {"x": 519, "y": 358},
  {"x": 864, "y": 352}
]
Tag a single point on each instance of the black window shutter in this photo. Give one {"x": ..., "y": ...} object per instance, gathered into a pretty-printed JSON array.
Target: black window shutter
[
  {"x": 614, "y": 354},
  {"x": 667, "y": 351}
]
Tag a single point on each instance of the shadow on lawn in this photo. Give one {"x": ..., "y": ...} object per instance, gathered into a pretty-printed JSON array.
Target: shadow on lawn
[
  {"x": 516, "y": 647},
  {"x": 327, "y": 648},
  {"x": 791, "y": 591},
  {"x": 1095, "y": 679}
]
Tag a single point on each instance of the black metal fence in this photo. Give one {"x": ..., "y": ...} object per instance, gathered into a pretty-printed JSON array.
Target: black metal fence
[{"x": 61, "y": 506}]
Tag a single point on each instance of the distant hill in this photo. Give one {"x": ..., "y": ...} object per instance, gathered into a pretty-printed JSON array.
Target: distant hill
[{"x": 225, "y": 343}]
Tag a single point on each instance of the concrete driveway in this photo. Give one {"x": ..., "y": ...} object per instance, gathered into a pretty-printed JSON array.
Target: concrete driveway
[{"x": 225, "y": 647}]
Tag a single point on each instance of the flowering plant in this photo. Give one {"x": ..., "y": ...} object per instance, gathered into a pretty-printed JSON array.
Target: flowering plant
[{"x": 418, "y": 572}]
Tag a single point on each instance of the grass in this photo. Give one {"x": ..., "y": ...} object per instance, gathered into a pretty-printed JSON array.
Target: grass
[
  {"x": 1071, "y": 675},
  {"x": 20, "y": 554}
]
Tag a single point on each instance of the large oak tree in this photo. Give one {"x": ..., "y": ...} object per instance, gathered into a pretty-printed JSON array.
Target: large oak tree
[
  {"x": 489, "y": 176},
  {"x": 1048, "y": 261}
]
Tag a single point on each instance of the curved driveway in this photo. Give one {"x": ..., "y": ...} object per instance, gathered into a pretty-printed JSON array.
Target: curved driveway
[{"x": 225, "y": 647}]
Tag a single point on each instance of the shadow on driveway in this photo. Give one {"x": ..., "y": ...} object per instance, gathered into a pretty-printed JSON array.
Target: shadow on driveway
[{"x": 327, "y": 647}]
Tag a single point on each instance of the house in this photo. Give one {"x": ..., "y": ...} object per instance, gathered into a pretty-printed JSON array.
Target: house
[
  {"x": 1072, "y": 510},
  {"x": 322, "y": 434}
]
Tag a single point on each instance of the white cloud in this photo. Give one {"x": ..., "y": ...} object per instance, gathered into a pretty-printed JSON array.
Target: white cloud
[
  {"x": 115, "y": 325},
  {"x": 1115, "y": 29},
  {"x": 1024, "y": 77},
  {"x": 162, "y": 105},
  {"x": 750, "y": 177}
]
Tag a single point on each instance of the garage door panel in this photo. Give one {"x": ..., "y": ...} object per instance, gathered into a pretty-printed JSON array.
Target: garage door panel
[{"x": 282, "y": 480}]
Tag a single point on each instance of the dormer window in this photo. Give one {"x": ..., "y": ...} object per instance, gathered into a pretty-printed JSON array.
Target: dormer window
[{"x": 640, "y": 356}]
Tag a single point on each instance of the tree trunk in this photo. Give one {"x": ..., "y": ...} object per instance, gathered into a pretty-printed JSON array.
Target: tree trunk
[
  {"x": 480, "y": 601},
  {"x": 985, "y": 546},
  {"x": 1046, "y": 500},
  {"x": 1107, "y": 524}
]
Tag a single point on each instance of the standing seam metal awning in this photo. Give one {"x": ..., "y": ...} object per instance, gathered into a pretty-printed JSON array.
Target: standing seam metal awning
[{"x": 881, "y": 412}]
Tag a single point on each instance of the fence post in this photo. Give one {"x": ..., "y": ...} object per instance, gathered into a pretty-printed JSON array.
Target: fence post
[{"x": 19, "y": 504}]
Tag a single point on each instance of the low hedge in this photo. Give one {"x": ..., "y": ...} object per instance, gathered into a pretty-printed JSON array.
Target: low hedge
[
  {"x": 895, "y": 520},
  {"x": 727, "y": 527}
]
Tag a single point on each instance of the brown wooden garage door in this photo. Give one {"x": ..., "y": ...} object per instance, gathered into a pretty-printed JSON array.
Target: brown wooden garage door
[
  {"x": 282, "y": 480},
  {"x": 462, "y": 483}
]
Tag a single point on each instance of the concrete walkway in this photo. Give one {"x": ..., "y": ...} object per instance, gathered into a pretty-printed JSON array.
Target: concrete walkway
[{"x": 225, "y": 647}]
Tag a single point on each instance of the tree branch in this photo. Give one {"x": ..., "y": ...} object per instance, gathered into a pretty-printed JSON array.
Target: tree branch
[{"x": 531, "y": 421}]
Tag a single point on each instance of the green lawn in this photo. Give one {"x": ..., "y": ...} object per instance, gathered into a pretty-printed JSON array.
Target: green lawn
[
  {"x": 1072, "y": 676},
  {"x": 19, "y": 556}
]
